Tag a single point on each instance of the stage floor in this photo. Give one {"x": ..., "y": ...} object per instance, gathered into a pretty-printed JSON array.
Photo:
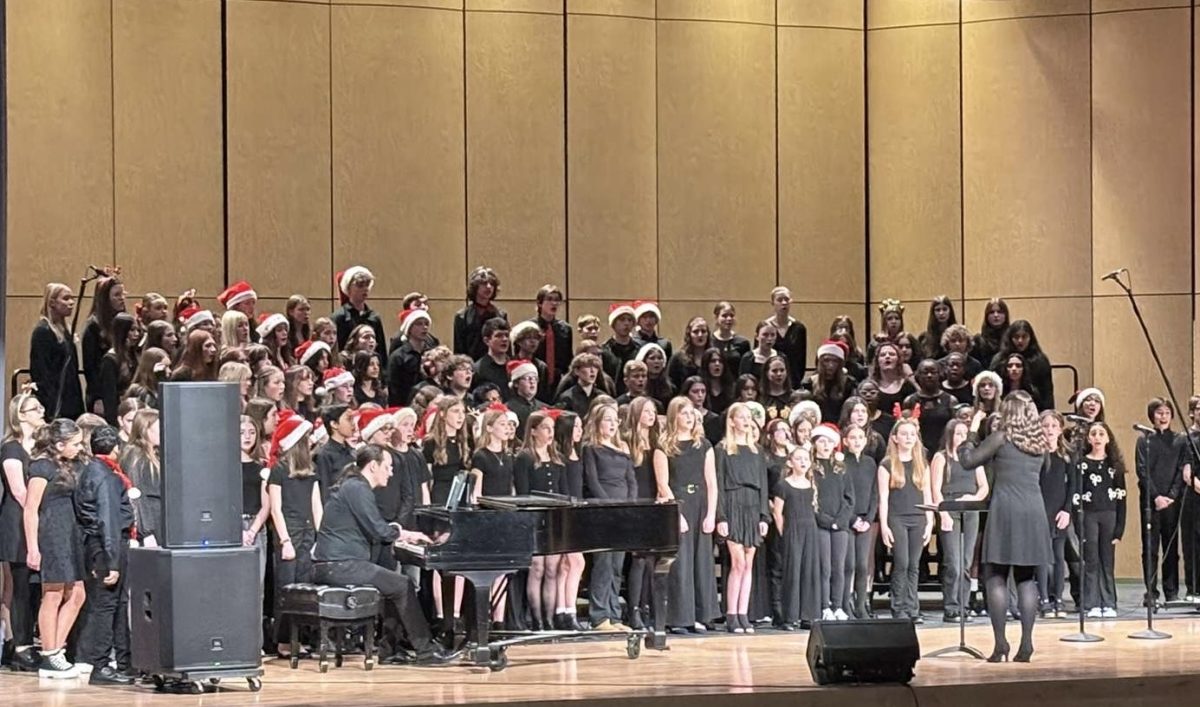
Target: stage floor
[{"x": 763, "y": 670}]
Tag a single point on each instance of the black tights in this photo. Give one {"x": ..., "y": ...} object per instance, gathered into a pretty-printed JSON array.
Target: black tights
[{"x": 995, "y": 582}]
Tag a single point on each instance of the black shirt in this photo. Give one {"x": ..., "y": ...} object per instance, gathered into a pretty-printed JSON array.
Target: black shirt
[
  {"x": 251, "y": 488},
  {"x": 389, "y": 498},
  {"x": 404, "y": 371},
  {"x": 644, "y": 339},
  {"x": 411, "y": 467},
  {"x": 793, "y": 345},
  {"x": 296, "y": 497},
  {"x": 563, "y": 348},
  {"x": 442, "y": 475},
  {"x": 523, "y": 408},
  {"x": 50, "y": 362},
  {"x": 903, "y": 501},
  {"x": 351, "y": 525},
  {"x": 105, "y": 517},
  {"x": 487, "y": 370},
  {"x": 577, "y": 401},
  {"x": 531, "y": 474},
  {"x": 608, "y": 473},
  {"x": 936, "y": 412},
  {"x": 731, "y": 350},
  {"x": 468, "y": 329},
  {"x": 614, "y": 355},
  {"x": 835, "y": 498},
  {"x": 329, "y": 461},
  {"x": 863, "y": 473},
  {"x": 347, "y": 318},
  {"x": 497, "y": 472},
  {"x": 1057, "y": 483},
  {"x": 1159, "y": 459},
  {"x": 1103, "y": 490}
]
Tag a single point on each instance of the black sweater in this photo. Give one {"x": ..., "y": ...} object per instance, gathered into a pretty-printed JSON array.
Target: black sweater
[
  {"x": 835, "y": 498},
  {"x": 1159, "y": 460},
  {"x": 1103, "y": 490},
  {"x": 863, "y": 473},
  {"x": 54, "y": 367}
]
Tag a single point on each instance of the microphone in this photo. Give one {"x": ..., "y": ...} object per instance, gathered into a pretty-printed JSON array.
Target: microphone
[
  {"x": 1143, "y": 429},
  {"x": 1078, "y": 419},
  {"x": 1113, "y": 275}
]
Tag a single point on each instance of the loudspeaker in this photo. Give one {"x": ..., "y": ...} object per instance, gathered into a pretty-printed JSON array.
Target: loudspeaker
[
  {"x": 882, "y": 650},
  {"x": 201, "y": 465},
  {"x": 194, "y": 610}
]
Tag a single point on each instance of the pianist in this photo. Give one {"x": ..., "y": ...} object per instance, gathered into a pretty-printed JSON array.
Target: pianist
[{"x": 350, "y": 528}]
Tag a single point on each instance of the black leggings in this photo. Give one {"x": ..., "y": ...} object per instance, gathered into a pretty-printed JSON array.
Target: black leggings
[
  {"x": 995, "y": 582},
  {"x": 859, "y": 553},
  {"x": 25, "y": 602},
  {"x": 1052, "y": 577},
  {"x": 908, "y": 540}
]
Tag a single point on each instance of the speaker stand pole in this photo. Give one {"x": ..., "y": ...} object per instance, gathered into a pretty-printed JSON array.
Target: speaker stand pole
[
  {"x": 1083, "y": 636},
  {"x": 962, "y": 646}
]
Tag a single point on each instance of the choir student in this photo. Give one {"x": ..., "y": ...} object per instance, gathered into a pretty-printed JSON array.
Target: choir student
[
  {"x": 794, "y": 504},
  {"x": 864, "y": 526},
  {"x": 903, "y": 484},
  {"x": 539, "y": 468},
  {"x": 26, "y": 416},
  {"x": 354, "y": 287},
  {"x": 53, "y": 361},
  {"x": 951, "y": 482},
  {"x": 835, "y": 511},
  {"x": 1159, "y": 459},
  {"x": 743, "y": 510},
  {"x": 483, "y": 288},
  {"x": 1103, "y": 494},
  {"x": 608, "y": 474},
  {"x": 568, "y": 434}
]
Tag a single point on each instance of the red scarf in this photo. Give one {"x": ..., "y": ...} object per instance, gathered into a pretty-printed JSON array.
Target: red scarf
[{"x": 116, "y": 469}]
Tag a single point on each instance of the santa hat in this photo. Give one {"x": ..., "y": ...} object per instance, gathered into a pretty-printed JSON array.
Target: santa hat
[
  {"x": 427, "y": 419},
  {"x": 522, "y": 328},
  {"x": 617, "y": 309},
  {"x": 319, "y": 434},
  {"x": 290, "y": 429},
  {"x": 345, "y": 277},
  {"x": 192, "y": 317},
  {"x": 520, "y": 368},
  {"x": 309, "y": 349},
  {"x": 335, "y": 377},
  {"x": 828, "y": 431},
  {"x": 411, "y": 316},
  {"x": 988, "y": 376},
  {"x": 800, "y": 408},
  {"x": 829, "y": 347},
  {"x": 237, "y": 293},
  {"x": 645, "y": 351},
  {"x": 641, "y": 307},
  {"x": 371, "y": 421},
  {"x": 267, "y": 323},
  {"x": 1086, "y": 393}
]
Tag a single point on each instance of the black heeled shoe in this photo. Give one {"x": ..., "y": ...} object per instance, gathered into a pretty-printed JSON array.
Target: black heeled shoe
[
  {"x": 1024, "y": 653},
  {"x": 732, "y": 624},
  {"x": 999, "y": 655}
]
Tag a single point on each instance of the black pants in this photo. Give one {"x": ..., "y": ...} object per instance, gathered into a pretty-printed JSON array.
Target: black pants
[
  {"x": 1051, "y": 578},
  {"x": 1098, "y": 559},
  {"x": 641, "y": 571},
  {"x": 290, "y": 572},
  {"x": 25, "y": 603},
  {"x": 604, "y": 587},
  {"x": 1188, "y": 529},
  {"x": 908, "y": 541},
  {"x": 858, "y": 564},
  {"x": 394, "y": 587},
  {"x": 105, "y": 624},
  {"x": 832, "y": 563},
  {"x": 1162, "y": 539},
  {"x": 956, "y": 570}
]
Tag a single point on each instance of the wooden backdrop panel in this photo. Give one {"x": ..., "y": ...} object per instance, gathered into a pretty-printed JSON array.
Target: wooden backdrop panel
[
  {"x": 398, "y": 181},
  {"x": 515, "y": 161},
  {"x": 820, "y": 13},
  {"x": 1141, "y": 135},
  {"x": 1105, "y": 6},
  {"x": 279, "y": 156},
  {"x": 442, "y": 4},
  {"x": 976, "y": 10},
  {"x": 1026, "y": 157},
  {"x": 822, "y": 185},
  {"x": 611, "y": 170},
  {"x": 716, "y": 160},
  {"x": 915, "y": 195},
  {"x": 167, "y": 144},
  {"x": 542, "y": 6},
  {"x": 20, "y": 316},
  {"x": 909, "y": 13},
  {"x": 60, "y": 175},
  {"x": 757, "y": 11},
  {"x": 620, "y": 8}
]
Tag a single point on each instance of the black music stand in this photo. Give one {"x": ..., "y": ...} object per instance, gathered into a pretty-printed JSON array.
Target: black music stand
[{"x": 958, "y": 510}]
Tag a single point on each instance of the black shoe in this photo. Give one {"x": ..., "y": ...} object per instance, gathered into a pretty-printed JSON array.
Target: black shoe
[
  {"x": 999, "y": 655},
  {"x": 635, "y": 620},
  {"x": 680, "y": 630},
  {"x": 571, "y": 622},
  {"x": 949, "y": 618},
  {"x": 437, "y": 657},
  {"x": 785, "y": 626},
  {"x": 1024, "y": 653},
  {"x": 805, "y": 625},
  {"x": 26, "y": 661},
  {"x": 401, "y": 657},
  {"x": 107, "y": 676},
  {"x": 917, "y": 618}
]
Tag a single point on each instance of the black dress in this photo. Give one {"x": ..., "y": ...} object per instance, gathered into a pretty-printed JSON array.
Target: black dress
[
  {"x": 801, "y": 598},
  {"x": 692, "y": 583},
  {"x": 442, "y": 475},
  {"x": 59, "y": 538},
  {"x": 573, "y": 478},
  {"x": 1016, "y": 532},
  {"x": 497, "y": 472},
  {"x": 531, "y": 474},
  {"x": 54, "y": 364},
  {"x": 742, "y": 484},
  {"x": 12, "y": 525}
]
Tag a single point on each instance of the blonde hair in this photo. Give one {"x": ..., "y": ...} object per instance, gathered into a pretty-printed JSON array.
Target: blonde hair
[
  {"x": 14, "y": 432},
  {"x": 53, "y": 291},
  {"x": 230, "y": 321},
  {"x": 234, "y": 372},
  {"x": 591, "y": 432},
  {"x": 789, "y": 471},
  {"x": 920, "y": 467},
  {"x": 139, "y": 432},
  {"x": 485, "y": 427},
  {"x": 730, "y": 443},
  {"x": 640, "y": 443},
  {"x": 669, "y": 440}
]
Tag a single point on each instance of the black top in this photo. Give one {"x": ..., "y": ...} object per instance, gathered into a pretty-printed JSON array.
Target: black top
[
  {"x": 380, "y": 396},
  {"x": 644, "y": 339},
  {"x": 468, "y": 329},
  {"x": 347, "y": 318},
  {"x": 731, "y": 350},
  {"x": 252, "y": 478},
  {"x": 147, "y": 480},
  {"x": 411, "y": 467},
  {"x": 1160, "y": 458},
  {"x": 608, "y": 473},
  {"x": 745, "y": 470},
  {"x": 388, "y": 498},
  {"x": 296, "y": 496},
  {"x": 936, "y": 411},
  {"x": 577, "y": 401},
  {"x": 530, "y": 474},
  {"x": 351, "y": 524},
  {"x": 903, "y": 501},
  {"x": 52, "y": 361},
  {"x": 830, "y": 401},
  {"x": 111, "y": 384},
  {"x": 523, "y": 408},
  {"x": 614, "y": 356},
  {"x": 442, "y": 475},
  {"x": 965, "y": 394},
  {"x": 94, "y": 343},
  {"x": 957, "y": 481},
  {"x": 105, "y": 516},
  {"x": 835, "y": 498},
  {"x": 404, "y": 371},
  {"x": 680, "y": 368},
  {"x": 793, "y": 345},
  {"x": 1103, "y": 490},
  {"x": 564, "y": 349},
  {"x": 887, "y": 401},
  {"x": 573, "y": 477},
  {"x": 862, "y": 471},
  {"x": 1038, "y": 374},
  {"x": 329, "y": 461},
  {"x": 487, "y": 370},
  {"x": 12, "y": 524},
  {"x": 497, "y": 471},
  {"x": 1057, "y": 483}
]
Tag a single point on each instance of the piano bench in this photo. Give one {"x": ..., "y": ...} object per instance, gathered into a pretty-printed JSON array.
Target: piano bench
[{"x": 333, "y": 609}]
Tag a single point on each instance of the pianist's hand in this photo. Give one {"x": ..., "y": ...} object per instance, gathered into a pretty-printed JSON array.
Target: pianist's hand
[
  {"x": 723, "y": 529},
  {"x": 708, "y": 524},
  {"x": 415, "y": 537}
]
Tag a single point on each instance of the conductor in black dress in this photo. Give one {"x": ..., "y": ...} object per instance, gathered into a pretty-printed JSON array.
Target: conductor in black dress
[{"x": 1017, "y": 538}]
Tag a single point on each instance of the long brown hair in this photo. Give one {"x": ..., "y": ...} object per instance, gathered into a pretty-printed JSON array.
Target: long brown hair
[
  {"x": 1020, "y": 423},
  {"x": 193, "y": 357},
  {"x": 536, "y": 418},
  {"x": 1061, "y": 449},
  {"x": 146, "y": 376},
  {"x": 640, "y": 443},
  {"x": 920, "y": 467},
  {"x": 439, "y": 436},
  {"x": 102, "y": 309},
  {"x": 591, "y": 431},
  {"x": 139, "y": 433},
  {"x": 45, "y": 446}
]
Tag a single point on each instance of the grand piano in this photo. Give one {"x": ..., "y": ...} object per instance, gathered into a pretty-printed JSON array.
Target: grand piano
[{"x": 502, "y": 535}]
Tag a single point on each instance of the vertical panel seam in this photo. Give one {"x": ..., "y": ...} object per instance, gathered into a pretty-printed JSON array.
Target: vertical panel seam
[
  {"x": 224, "y": 19},
  {"x": 112, "y": 128},
  {"x": 466, "y": 170},
  {"x": 332, "y": 219},
  {"x": 657, "y": 160},
  {"x": 962, "y": 170},
  {"x": 566, "y": 261},
  {"x": 4, "y": 392},
  {"x": 866, "y": 177},
  {"x": 1092, "y": 180},
  {"x": 775, "y": 58},
  {"x": 1192, "y": 168}
]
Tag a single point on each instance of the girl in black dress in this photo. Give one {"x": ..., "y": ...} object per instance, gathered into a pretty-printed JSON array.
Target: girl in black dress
[
  {"x": 53, "y": 361},
  {"x": 107, "y": 303},
  {"x": 951, "y": 482},
  {"x": 777, "y": 446},
  {"x": 641, "y": 436},
  {"x": 835, "y": 513},
  {"x": 881, "y": 419},
  {"x": 608, "y": 474},
  {"x": 717, "y": 374},
  {"x": 1103, "y": 498},
  {"x": 861, "y": 471},
  {"x": 775, "y": 388},
  {"x": 25, "y": 418},
  {"x": 794, "y": 505},
  {"x": 709, "y": 421},
  {"x": 1056, "y": 481},
  {"x": 273, "y": 333},
  {"x": 888, "y": 374},
  {"x": 686, "y": 361},
  {"x": 728, "y": 342},
  {"x": 117, "y": 367},
  {"x": 991, "y": 331},
  {"x": 765, "y": 337},
  {"x": 1021, "y": 339},
  {"x": 941, "y": 318},
  {"x": 743, "y": 511},
  {"x": 492, "y": 470},
  {"x": 568, "y": 434},
  {"x": 539, "y": 467},
  {"x": 256, "y": 500},
  {"x": 368, "y": 385},
  {"x": 793, "y": 335},
  {"x": 54, "y": 542},
  {"x": 298, "y": 387},
  {"x": 903, "y": 483},
  {"x": 140, "y": 460},
  {"x": 445, "y": 449},
  {"x": 295, "y": 510}
]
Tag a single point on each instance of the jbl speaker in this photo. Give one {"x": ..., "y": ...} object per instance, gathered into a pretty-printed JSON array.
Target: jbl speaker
[
  {"x": 883, "y": 650},
  {"x": 194, "y": 610},
  {"x": 201, "y": 465}
]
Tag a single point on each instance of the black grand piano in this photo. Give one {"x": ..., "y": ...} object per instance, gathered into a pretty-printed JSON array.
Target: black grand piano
[{"x": 502, "y": 534}]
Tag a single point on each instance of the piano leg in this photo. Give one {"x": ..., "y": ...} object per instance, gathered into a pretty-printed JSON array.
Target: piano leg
[
  {"x": 447, "y": 590},
  {"x": 480, "y": 631},
  {"x": 662, "y": 567}
]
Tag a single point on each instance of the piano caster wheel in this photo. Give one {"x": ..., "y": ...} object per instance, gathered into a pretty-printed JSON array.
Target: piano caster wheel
[
  {"x": 255, "y": 684},
  {"x": 498, "y": 661},
  {"x": 323, "y": 666},
  {"x": 295, "y": 662},
  {"x": 369, "y": 664},
  {"x": 633, "y": 646},
  {"x": 195, "y": 687}
]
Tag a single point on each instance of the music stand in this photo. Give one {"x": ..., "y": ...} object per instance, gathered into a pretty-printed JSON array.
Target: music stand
[{"x": 958, "y": 510}]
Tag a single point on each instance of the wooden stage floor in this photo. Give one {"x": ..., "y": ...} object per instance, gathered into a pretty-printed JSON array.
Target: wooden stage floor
[{"x": 763, "y": 670}]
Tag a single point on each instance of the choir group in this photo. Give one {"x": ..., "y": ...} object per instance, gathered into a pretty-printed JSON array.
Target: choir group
[{"x": 800, "y": 489}]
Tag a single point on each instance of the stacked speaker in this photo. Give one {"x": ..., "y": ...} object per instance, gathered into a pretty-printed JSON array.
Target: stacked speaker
[{"x": 195, "y": 604}]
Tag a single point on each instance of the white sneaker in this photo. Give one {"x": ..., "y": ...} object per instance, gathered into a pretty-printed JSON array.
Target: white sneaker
[
  {"x": 841, "y": 615},
  {"x": 56, "y": 667},
  {"x": 1109, "y": 613},
  {"x": 1093, "y": 613},
  {"x": 827, "y": 615},
  {"x": 83, "y": 668}
]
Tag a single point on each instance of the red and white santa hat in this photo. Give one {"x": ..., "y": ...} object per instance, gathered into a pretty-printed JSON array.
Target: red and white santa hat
[
  {"x": 520, "y": 329},
  {"x": 307, "y": 350},
  {"x": 616, "y": 309},
  {"x": 411, "y": 316},
  {"x": 827, "y": 430},
  {"x": 336, "y": 377},
  {"x": 1078, "y": 398},
  {"x": 519, "y": 368},
  {"x": 237, "y": 293},
  {"x": 643, "y": 352},
  {"x": 645, "y": 306},
  {"x": 371, "y": 421},
  {"x": 345, "y": 277},
  {"x": 830, "y": 347},
  {"x": 289, "y": 431},
  {"x": 267, "y": 323},
  {"x": 192, "y": 316},
  {"x": 800, "y": 408}
]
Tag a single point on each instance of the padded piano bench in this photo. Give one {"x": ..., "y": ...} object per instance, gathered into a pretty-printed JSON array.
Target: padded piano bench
[{"x": 332, "y": 608}]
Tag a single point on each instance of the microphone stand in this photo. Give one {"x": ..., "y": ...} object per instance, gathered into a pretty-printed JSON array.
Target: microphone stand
[
  {"x": 1149, "y": 573},
  {"x": 1082, "y": 636}
]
